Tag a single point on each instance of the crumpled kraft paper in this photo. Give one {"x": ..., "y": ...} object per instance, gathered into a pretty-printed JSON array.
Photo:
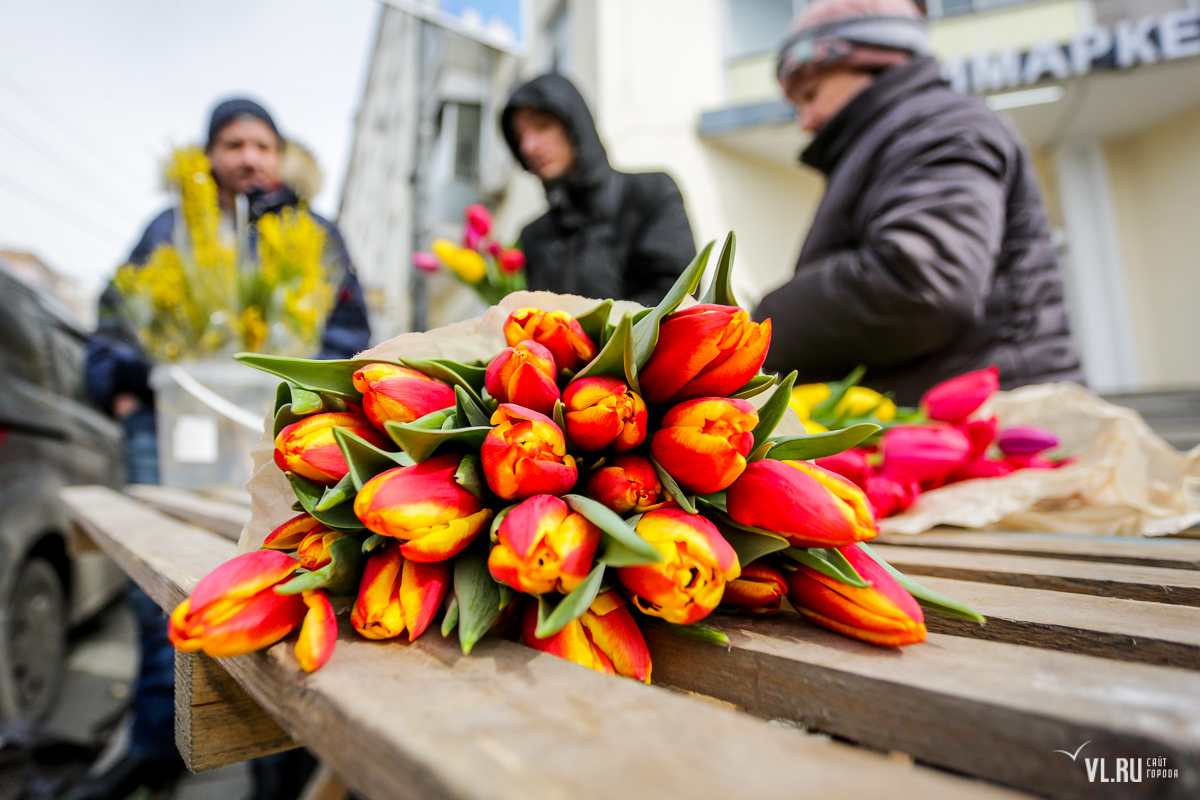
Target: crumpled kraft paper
[
  {"x": 481, "y": 339},
  {"x": 1126, "y": 481}
]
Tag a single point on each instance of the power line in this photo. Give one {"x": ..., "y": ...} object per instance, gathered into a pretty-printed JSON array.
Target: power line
[{"x": 59, "y": 211}]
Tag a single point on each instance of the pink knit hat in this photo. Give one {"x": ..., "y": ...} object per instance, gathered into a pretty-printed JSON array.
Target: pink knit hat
[{"x": 868, "y": 34}]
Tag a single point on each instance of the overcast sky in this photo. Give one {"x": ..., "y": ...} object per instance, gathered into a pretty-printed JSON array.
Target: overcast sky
[{"x": 93, "y": 95}]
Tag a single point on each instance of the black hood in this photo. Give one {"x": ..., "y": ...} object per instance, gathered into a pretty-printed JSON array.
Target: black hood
[{"x": 556, "y": 94}]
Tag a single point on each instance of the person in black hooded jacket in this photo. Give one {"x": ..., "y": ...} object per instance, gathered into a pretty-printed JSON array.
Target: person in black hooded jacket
[
  {"x": 930, "y": 253},
  {"x": 607, "y": 234}
]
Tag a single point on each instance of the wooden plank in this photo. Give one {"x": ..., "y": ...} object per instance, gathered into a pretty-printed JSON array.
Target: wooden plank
[
  {"x": 212, "y": 514},
  {"x": 216, "y": 722},
  {"x": 424, "y": 721},
  {"x": 1153, "y": 584},
  {"x": 1126, "y": 630},
  {"x": 993, "y": 710},
  {"x": 1169, "y": 553}
]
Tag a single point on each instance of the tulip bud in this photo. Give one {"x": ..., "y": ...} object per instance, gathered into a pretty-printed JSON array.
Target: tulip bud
[
  {"x": 426, "y": 262},
  {"x": 860, "y": 400},
  {"x": 956, "y": 399},
  {"x": 397, "y": 594},
  {"x": 557, "y": 331},
  {"x": 603, "y": 412},
  {"x": 424, "y": 506},
  {"x": 808, "y": 396},
  {"x": 313, "y": 551},
  {"x": 524, "y": 375},
  {"x": 851, "y": 464},
  {"x": 605, "y": 638},
  {"x": 290, "y": 534},
  {"x": 703, "y": 443},
  {"x": 1026, "y": 440},
  {"x": 307, "y": 447},
  {"x": 807, "y": 505},
  {"x": 526, "y": 454},
  {"x": 704, "y": 351},
  {"x": 511, "y": 261},
  {"x": 544, "y": 547},
  {"x": 926, "y": 454},
  {"x": 758, "y": 590},
  {"x": 697, "y": 563},
  {"x": 883, "y": 613},
  {"x": 981, "y": 433},
  {"x": 234, "y": 609},
  {"x": 479, "y": 219},
  {"x": 628, "y": 483},
  {"x": 399, "y": 394},
  {"x": 464, "y": 262},
  {"x": 890, "y": 495}
]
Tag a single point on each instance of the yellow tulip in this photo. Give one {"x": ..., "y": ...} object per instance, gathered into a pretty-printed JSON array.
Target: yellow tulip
[
  {"x": 806, "y": 397},
  {"x": 467, "y": 264},
  {"x": 860, "y": 400}
]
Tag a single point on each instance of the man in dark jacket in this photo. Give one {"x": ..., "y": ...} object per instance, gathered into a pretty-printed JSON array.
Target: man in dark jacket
[
  {"x": 930, "y": 253},
  {"x": 607, "y": 234}
]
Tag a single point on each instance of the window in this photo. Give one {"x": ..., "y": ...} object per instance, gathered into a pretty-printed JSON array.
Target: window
[
  {"x": 758, "y": 26},
  {"x": 466, "y": 141},
  {"x": 558, "y": 37}
]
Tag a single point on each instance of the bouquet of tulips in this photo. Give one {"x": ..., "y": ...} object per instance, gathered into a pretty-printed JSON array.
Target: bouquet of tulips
[
  {"x": 594, "y": 476},
  {"x": 943, "y": 441},
  {"x": 480, "y": 262}
]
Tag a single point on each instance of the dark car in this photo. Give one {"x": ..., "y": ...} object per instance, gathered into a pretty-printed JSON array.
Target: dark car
[{"x": 50, "y": 437}]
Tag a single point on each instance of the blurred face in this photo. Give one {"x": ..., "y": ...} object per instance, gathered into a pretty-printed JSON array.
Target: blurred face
[
  {"x": 820, "y": 96},
  {"x": 546, "y": 146},
  {"x": 245, "y": 155}
]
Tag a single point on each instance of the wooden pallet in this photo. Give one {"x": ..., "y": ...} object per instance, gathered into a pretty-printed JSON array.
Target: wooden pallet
[{"x": 981, "y": 711}]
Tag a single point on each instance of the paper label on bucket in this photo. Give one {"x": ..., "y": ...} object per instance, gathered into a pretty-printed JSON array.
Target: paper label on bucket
[{"x": 194, "y": 440}]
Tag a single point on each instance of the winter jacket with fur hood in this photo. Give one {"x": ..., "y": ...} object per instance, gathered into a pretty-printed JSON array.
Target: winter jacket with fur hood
[
  {"x": 607, "y": 234},
  {"x": 930, "y": 253}
]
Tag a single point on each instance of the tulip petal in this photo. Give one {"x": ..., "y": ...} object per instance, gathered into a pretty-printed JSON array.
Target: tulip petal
[
  {"x": 423, "y": 587},
  {"x": 617, "y": 636},
  {"x": 243, "y": 576},
  {"x": 318, "y": 634},
  {"x": 441, "y": 542}
]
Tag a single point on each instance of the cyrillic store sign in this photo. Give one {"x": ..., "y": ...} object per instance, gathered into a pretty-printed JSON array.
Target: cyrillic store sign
[{"x": 1130, "y": 43}]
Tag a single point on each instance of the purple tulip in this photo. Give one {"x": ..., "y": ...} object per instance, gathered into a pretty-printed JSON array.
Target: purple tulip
[{"x": 1026, "y": 440}]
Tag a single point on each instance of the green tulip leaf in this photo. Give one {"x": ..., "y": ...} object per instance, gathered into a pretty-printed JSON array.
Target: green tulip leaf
[
  {"x": 624, "y": 546},
  {"x": 364, "y": 459},
  {"x": 594, "y": 322},
  {"x": 720, "y": 291},
  {"x": 672, "y": 488},
  {"x": 926, "y": 598},
  {"x": 837, "y": 392},
  {"x": 559, "y": 416},
  {"x": 507, "y": 595},
  {"x": 298, "y": 507},
  {"x": 283, "y": 418},
  {"x": 773, "y": 410},
  {"x": 450, "y": 620},
  {"x": 309, "y": 493},
  {"x": 645, "y": 330},
  {"x": 469, "y": 475},
  {"x": 611, "y": 358},
  {"x": 836, "y": 566},
  {"x": 820, "y": 445},
  {"x": 478, "y": 597},
  {"x": 305, "y": 402},
  {"x": 283, "y": 396},
  {"x": 755, "y": 386},
  {"x": 375, "y": 540},
  {"x": 337, "y": 494},
  {"x": 332, "y": 377},
  {"x": 495, "y": 530},
  {"x": 452, "y": 373},
  {"x": 420, "y": 442},
  {"x": 760, "y": 453},
  {"x": 467, "y": 412},
  {"x": 340, "y": 576},
  {"x": 697, "y": 631},
  {"x": 571, "y": 607},
  {"x": 715, "y": 500},
  {"x": 749, "y": 545}
]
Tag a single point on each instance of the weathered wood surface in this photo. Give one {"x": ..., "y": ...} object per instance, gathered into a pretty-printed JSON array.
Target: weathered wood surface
[
  {"x": 218, "y": 516},
  {"x": 1169, "y": 553},
  {"x": 216, "y": 722},
  {"x": 987, "y": 709},
  {"x": 423, "y": 721},
  {"x": 1125, "y": 630},
  {"x": 1153, "y": 584}
]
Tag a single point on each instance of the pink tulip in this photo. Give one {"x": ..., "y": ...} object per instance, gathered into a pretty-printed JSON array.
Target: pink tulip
[
  {"x": 956, "y": 399},
  {"x": 981, "y": 432},
  {"x": 890, "y": 495},
  {"x": 1026, "y": 441},
  {"x": 851, "y": 464},
  {"x": 426, "y": 262},
  {"x": 980, "y": 468},
  {"x": 926, "y": 454}
]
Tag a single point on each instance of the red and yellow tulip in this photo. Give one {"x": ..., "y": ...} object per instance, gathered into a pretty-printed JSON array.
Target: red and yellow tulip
[
  {"x": 307, "y": 447},
  {"x": 398, "y": 394},
  {"x": 759, "y": 589},
  {"x": 628, "y": 483},
  {"x": 602, "y": 412},
  {"x": 704, "y": 351},
  {"x": 398, "y": 594},
  {"x": 526, "y": 454},
  {"x": 807, "y": 505},
  {"x": 543, "y": 547},
  {"x": 290, "y": 534},
  {"x": 424, "y": 506},
  {"x": 605, "y": 638},
  {"x": 703, "y": 443},
  {"x": 524, "y": 375},
  {"x": 883, "y": 613},
  {"x": 557, "y": 331},
  {"x": 313, "y": 551},
  {"x": 697, "y": 564},
  {"x": 235, "y": 610}
]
